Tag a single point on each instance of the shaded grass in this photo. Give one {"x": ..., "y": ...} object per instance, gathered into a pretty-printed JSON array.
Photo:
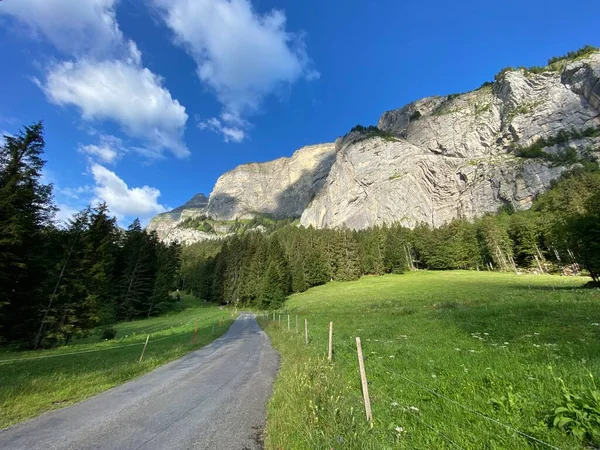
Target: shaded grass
[
  {"x": 32, "y": 386},
  {"x": 496, "y": 343}
]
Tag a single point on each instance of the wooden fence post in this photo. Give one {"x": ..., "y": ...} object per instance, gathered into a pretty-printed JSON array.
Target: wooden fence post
[
  {"x": 296, "y": 323},
  {"x": 288, "y": 322},
  {"x": 144, "y": 350},
  {"x": 330, "y": 354},
  {"x": 363, "y": 379},
  {"x": 273, "y": 316},
  {"x": 305, "y": 332},
  {"x": 194, "y": 335}
]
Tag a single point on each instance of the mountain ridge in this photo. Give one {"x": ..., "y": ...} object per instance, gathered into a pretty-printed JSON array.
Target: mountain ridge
[{"x": 434, "y": 159}]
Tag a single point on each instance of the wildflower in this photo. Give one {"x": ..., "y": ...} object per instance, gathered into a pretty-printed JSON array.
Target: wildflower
[
  {"x": 413, "y": 409},
  {"x": 394, "y": 404},
  {"x": 596, "y": 324},
  {"x": 433, "y": 375},
  {"x": 457, "y": 349},
  {"x": 536, "y": 345},
  {"x": 506, "y": 343},
  {"x": 399, "y": 430},
  {"x": 392, "y": 356},
  {"x": 486, "y": 334}
]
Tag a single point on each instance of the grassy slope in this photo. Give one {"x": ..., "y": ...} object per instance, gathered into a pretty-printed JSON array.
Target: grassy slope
[
  {"x": 494, "y": 342},
  {"x": 28, "y": 388}
]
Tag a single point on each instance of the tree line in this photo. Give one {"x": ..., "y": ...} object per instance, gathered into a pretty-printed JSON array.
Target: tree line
[
  {"x": 59, "y": 282},
  {"x": 561, "y": 232}
]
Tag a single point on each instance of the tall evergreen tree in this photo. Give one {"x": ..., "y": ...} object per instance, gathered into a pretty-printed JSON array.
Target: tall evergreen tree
[
  {"x": 137, "y": 280},
  {"x": 395, "y": 252},
  {"x": 26, "y": 209}
]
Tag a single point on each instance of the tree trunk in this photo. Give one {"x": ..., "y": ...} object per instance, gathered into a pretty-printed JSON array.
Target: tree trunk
[{"x": 38, "y": 337}]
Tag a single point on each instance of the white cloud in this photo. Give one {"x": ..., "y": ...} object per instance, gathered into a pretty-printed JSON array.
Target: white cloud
[
  {"x": 64, "y": 213},
  {"x": 109, "y": 150},
  {"x": 122, "y": 200},
  {"x": 106, "y": 79},
  {"x": 130, "y": 95},
  {"x": 230, "y": 133},
  {"x": 73, "y": 193},
  {"x": 76, "y": 27},
  {"x": 242, "y": 55}
]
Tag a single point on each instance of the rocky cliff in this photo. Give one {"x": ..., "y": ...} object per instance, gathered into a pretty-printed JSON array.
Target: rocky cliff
[{"x": 432, "y": 160}]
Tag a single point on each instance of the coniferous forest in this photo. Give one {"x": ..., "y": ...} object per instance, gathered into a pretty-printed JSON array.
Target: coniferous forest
[
  {"x": 559, "y": 234},
  {"x": 57, "y": 283}
]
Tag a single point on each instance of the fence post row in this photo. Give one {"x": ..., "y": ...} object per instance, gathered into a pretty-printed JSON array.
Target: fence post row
[{"x": 363, "y": 379}]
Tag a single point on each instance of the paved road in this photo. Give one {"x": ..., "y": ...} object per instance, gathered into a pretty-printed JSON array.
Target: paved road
[{"x": 213, "y": 398}]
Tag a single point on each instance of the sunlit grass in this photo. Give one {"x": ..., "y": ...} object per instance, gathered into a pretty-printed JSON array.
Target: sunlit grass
[
  {"x": 35, "y": 385},
  {"x": 495, "y": 343}
]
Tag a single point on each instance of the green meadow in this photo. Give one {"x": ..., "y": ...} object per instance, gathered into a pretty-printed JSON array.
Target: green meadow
[
  {"x": 35, "y": 382},
  {"x": 454, "y": 359}
]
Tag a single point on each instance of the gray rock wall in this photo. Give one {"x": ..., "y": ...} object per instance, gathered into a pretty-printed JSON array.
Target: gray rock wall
[{"x": 444, "y": 157}]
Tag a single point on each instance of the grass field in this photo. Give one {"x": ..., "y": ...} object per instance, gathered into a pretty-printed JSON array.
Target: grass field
[
  {"x": 45, "y": 380},
  {"x": 511, "y": 347}
]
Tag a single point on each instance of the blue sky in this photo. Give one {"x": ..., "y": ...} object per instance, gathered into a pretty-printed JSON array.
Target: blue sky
[{"x": 147, "y": 102}]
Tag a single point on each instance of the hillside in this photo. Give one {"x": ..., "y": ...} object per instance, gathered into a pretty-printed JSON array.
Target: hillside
[{"x": 436, "y": 159}]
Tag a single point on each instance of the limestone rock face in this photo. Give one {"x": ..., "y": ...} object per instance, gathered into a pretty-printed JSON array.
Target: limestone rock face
[
  {"x": 455, "y": 158},
  {"x": 166, "y": 224},
  {"x": 280, "y": 188},
  {"x": 436, "y": 159}
]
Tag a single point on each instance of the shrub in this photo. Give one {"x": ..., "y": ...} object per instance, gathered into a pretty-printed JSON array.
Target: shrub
[
  {"x": 578, "y": 414},
  {"x": 371, "y": 131},
  {"x": 108, "y": 333},
  {"x": 567, "y": 156},
  {"x": 500, "y": 74},
  {"x": 486, "y": 83},
  {"x": 584, "y": 51}
]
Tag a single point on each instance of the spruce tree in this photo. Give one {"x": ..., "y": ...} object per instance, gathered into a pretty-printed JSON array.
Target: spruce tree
[
  {"x": 271, "y": 293},
  {"x": 137, "y": 279},
  {"x": 26, "y": 209},
  {"x": 394, "y": 252}
]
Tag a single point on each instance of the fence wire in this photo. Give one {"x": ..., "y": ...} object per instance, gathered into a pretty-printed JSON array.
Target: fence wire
[{"x": 321, "y": 337}]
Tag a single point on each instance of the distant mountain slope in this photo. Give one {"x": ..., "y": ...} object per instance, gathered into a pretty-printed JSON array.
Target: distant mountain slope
[{"x": 435, "y": 159}]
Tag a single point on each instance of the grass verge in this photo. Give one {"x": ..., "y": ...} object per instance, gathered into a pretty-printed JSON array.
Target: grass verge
[
  {"x": 514, "y": 348},
  {"x": 50, "y": 379}
]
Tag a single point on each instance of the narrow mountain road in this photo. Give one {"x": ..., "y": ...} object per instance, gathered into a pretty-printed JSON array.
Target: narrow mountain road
[{"x": 213, "y": 398}]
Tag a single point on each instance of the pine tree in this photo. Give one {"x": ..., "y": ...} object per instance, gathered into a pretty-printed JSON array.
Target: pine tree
[
  {"x": 70, "y": 278},
  {"x": 271, "y": 292},
  {"x": 394, "y": 252},
  {"x": 257, "y": 265},
  {"x": 137, "y": 279},
  {"x": 26, "y": 209},
  {"x": 167, "y": 266}
]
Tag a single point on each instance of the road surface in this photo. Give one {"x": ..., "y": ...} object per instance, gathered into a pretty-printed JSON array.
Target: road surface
[{"x": 213, "y": 398}]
